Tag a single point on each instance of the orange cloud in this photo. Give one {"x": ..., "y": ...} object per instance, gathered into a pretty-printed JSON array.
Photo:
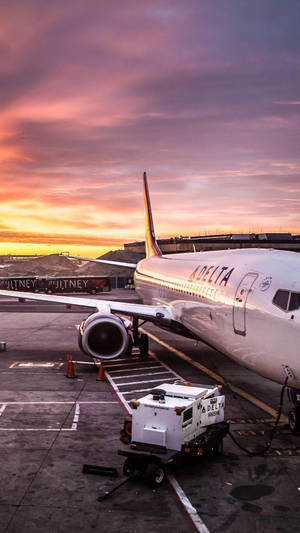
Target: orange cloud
[{"x": 57, "y": 239}]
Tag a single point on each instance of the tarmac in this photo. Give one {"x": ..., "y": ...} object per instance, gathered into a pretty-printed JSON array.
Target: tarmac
[{"x": 50, "y": 426}]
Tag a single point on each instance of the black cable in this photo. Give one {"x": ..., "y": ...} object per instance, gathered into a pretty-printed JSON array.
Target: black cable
[{"x": 272, "y": 434}]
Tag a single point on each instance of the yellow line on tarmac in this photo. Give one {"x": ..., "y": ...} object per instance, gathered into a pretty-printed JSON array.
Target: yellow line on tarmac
[{"x": 218, "y": 378}]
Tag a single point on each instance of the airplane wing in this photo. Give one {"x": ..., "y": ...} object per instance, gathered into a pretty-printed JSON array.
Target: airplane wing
[
  {"x": 105, "y": 261},
  {"x": 150, "y": 313}
]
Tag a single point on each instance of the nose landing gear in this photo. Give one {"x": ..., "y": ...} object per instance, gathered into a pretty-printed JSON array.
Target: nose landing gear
[{"x": 294, "y": 414}]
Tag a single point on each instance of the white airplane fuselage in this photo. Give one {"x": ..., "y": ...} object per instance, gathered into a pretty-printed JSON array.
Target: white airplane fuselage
[{"x": 225, "y": 298}]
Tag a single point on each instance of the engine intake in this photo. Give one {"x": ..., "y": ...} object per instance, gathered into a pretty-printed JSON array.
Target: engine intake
[{"x": 103, "y": 336}]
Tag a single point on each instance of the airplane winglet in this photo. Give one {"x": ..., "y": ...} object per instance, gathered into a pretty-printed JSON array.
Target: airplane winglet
[{"x": 152, "y": 248}]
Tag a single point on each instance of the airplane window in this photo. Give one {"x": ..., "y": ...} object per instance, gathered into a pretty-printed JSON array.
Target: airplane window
[
  {"x": 294, "y": 301},
  {"x": 281, "y": 299}
]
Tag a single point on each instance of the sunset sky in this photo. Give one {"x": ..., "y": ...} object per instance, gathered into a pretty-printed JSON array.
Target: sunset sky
[{"x": 202, "y": 94}]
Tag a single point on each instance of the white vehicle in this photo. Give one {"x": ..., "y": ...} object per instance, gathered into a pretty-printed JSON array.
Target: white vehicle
[
  {"x": 244, "y": 303},
  {"x": 173, "y": 415},
  {"x": 171, "y": 422}
]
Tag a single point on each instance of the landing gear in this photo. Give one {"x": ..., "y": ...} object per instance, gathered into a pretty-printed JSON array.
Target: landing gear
[
  {"x": 135, "y": 331},
  {"x": 294, "y": 414},
  {"x": 140, "y": 340},
  {"x": 294, "y": 420},
  {"x": 143, "y": 344},
  {"x": 129, "y": 347}
]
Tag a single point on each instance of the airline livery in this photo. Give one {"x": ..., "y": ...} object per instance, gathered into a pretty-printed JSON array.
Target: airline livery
[{"x": 244, "y": 303}]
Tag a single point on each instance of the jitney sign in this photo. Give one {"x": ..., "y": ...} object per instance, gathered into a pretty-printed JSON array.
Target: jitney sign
[{"x": 217, "y": 275}]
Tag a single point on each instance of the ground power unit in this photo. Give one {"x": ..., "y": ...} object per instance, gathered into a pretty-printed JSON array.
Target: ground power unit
[{"x": 172, "y": 415}]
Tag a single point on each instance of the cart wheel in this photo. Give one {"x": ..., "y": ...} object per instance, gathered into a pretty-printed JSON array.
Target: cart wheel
[
  {"x": 294, "y": 420},
  {"x": 143, "y": 344},
  {"x": 124, "y": 437},
  {"x": 155, "y": 475},
  {"x": 129, "y": 466},
  {"x": 217, "y": 449},
  {"x": 128, "y": 428}
]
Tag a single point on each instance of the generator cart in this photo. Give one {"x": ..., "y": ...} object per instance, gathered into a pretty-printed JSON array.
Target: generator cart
[{"x": 173, "y": 421}]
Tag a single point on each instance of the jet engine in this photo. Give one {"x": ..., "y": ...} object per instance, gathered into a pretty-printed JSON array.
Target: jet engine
[{"x": 103, "y": 336}]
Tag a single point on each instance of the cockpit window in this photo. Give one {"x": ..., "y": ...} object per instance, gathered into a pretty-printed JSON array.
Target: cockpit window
[
  {"x": 281, "y": 299},
  {"x": 294, "y": 301}
]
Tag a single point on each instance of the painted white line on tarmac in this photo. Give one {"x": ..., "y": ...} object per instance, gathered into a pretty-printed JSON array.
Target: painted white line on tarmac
[
  {"x": 54, "y": 403},
  {"x": 141, "y": 375},
  {"x": 42, "y": 364},
  {"x": 191, "y": 511},
  {"x": 139, "y": 390},
  {"x": 33, "y": 365},
  {"x": 96, "y": 402},
  {"x": 37, "y": 429},
  {"x": 146, "y": 381},
  {"x": 76, "y": 416},
  {"x": 97, "y": 363},
  {"x": 123, "y": 364},
  {"x": 118, "y": 393},
  {"x": 134, "y": 369},
  {"x": 84, "y": 362}
]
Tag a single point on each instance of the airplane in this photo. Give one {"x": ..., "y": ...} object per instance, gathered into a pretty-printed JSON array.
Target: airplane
[{"x": 245, "y": 303}]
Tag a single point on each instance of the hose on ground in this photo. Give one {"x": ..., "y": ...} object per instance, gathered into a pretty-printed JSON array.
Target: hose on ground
[{"x": 273, "y": 431}]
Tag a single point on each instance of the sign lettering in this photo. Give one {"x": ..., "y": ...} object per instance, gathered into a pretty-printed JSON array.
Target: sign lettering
[{"x": 217, "y": 275}]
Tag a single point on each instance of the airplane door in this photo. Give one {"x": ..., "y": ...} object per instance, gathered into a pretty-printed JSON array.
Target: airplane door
[{"x": 240, "y": 300}]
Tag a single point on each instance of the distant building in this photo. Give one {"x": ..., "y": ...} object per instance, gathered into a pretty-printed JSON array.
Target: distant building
[{"x": 281, "y": 241}]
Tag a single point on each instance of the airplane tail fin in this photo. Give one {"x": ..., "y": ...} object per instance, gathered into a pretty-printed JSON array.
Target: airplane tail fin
[{"x": 152, "y": 248}]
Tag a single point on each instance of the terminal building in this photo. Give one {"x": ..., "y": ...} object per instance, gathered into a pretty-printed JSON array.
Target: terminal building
[{"x": 202, "y": 243}]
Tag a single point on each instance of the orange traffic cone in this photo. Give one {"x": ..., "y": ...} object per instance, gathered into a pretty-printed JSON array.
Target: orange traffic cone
[
  {"x": 101, "y": 373},
  {"x": 70, "y": 372}
]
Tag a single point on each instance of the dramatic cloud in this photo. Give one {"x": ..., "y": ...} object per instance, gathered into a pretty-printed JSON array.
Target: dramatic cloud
[{"x": 203, "y": 95}]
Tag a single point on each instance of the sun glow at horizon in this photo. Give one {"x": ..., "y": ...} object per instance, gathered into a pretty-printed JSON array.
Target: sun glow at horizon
[{"x": 29, "y": 249}]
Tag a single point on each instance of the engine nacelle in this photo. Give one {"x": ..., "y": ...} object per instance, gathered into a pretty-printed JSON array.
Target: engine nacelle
[{"x": 103, "y": 336}]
